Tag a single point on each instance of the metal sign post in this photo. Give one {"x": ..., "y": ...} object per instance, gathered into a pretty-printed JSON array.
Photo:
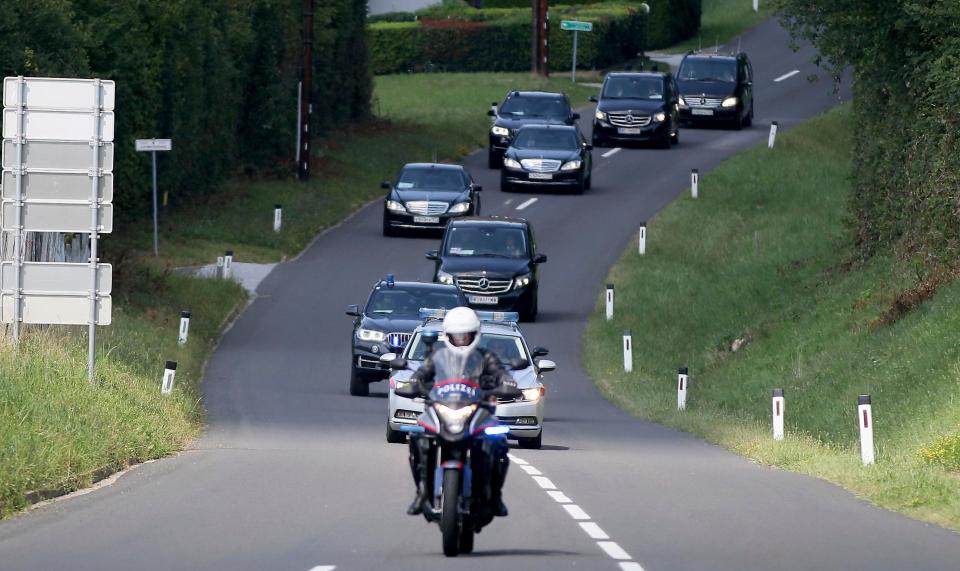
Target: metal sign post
[
  {"x": 575, "y": 26},
  {"x": 152, "y": 146}
]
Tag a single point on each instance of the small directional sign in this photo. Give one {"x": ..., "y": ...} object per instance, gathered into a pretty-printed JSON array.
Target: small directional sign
[
  {"x": 576, "y": 26},
  {"x": 154, "y": 144}
]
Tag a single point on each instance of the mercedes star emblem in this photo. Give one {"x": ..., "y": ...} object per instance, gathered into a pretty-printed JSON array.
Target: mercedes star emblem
[{"x": 484, "y": 283}]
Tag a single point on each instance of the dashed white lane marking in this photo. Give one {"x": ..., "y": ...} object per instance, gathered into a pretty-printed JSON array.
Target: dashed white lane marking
[
  {"x": 324, "y": 568},
  {"x": 613, "y": 550},
  {"x": 544, "y": 483},
  {"x": 526, "y": 203},
  {"x": 787, "y": 75},
  {"x": 575, "y": 511},
  {"x": 518, "y": 461},
  {"x": 593, "y": 530},
  {"x": 611, "y": 152},
  {"x": 630, "y": 566},
  {"x": 531, "y": 470},
  {"x": 508, "y": 202},
  {"x": 559, "y": 496}
]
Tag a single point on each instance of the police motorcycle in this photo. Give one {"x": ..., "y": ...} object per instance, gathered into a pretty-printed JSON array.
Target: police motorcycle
[{"x": 456, "y": 425}]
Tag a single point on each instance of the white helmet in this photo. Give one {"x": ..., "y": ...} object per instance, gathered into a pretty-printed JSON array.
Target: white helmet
[{"x": 462, "y": 329}]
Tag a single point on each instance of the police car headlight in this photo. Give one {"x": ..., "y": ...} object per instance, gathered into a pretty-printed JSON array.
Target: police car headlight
[
  {"x": 600, "y": 115},
  {"x": 660, "y": 117},
  {"x": 729, "y": 102},
  {"x": 521, "y": 281},
  {"x": 445, "y": 278},
  {"x": 511, "y": 163},
  {"x": 683, "y": 102},
  {"x": 501, "y": 131},
  {"x": 454, "y": 420},
  {"x": 570, "y": 165},
  {"x": 395, "y": 206},
  {"x": 459, "y": 207},
  {"x": 532, "y": 394},
  {"x": 371, "y": 335}
]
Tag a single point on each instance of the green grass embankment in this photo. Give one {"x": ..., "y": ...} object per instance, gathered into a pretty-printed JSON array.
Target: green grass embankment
[
  {"x": 762, "y": 260},
  {"x": 723, "y": 20}
]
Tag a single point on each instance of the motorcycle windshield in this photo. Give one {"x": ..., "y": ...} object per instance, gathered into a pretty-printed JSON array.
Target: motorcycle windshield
[{"x": 456, "y": 378}]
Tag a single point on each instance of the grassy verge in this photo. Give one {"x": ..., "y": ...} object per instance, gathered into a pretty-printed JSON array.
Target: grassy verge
[
  {"x": 723, "y": 20},
  {"x": 759, "y": 262}
]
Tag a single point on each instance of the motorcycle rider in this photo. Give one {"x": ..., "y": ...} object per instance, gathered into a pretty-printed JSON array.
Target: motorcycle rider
[{"x": 461, "y": 327}]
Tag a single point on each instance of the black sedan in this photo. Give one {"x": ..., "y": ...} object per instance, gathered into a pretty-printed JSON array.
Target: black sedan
[
  {"x": 427, "y": 196},
  {"x": 547, "y": 156},
  {"x": 386, "y": 323},
  {"x": 637, "y": 106}
]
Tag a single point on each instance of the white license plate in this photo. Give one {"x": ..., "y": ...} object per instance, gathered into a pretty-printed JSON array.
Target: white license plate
[
  {"x": 483, "y": 299},
  {"x": 701, "y": 111},
  {"x": 426, "y": 219},
  {"x": 629, "y": 130},
  {"x": 540, "y": 176}
]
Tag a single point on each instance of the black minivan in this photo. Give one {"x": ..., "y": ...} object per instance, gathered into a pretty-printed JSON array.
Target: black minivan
[
  {"x": 716, "y": 89},
  {"x": 637, "y": 106}
]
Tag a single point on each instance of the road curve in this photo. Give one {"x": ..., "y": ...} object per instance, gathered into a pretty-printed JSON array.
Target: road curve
[{"x": 295, "y": 474}]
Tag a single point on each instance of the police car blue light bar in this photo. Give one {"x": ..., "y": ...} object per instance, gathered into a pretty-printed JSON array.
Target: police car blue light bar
[
  {"x": 496, "y": 430},
  {"x": 490, "y": 316}
]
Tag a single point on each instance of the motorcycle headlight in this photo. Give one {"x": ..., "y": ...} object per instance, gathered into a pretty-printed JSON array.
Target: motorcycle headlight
[
  {"x": 683, "y": 103},
  {"x": 445, "y": 278},
  {"x": 570, "y": 165},
  {"x": 371, "y": 335},
  {"x": 459, "y": 207},
  {"x": 521, "y": 281},
  {"x": 532, "y": 394},
  {"x": 729, "y": 102},
  {"x": 395, "y": 206},
  {"x": 501, "y": 131},
  {"x": 660, "y": 117},
  {"x": 600, "y": 115},
  {"x": 454, "y": 419},
  {"x": 511, "y": 163}
]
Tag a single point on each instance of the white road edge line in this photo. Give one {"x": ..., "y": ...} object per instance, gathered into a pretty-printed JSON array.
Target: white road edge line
[
  {"x": 575, "y": 511},
  {"x": 544, "y": 483},
  {"x": 526, "y": 203},
  {"x": 613, "y": 550},
  {"x": 786, "y": 76},
  {"x": 611, "y": 152},
  {"x": 531, "y": 470},
  {"x": 593, "y": 530},
  {"x": 560, "y": 497}
]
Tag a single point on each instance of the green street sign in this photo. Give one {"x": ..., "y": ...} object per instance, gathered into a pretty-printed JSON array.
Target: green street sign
[{"x": 575, "y": 26}]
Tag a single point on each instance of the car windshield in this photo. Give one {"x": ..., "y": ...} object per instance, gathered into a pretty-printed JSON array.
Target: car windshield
[
  {"x": 406, "y": 303},
  {"x": 550, "y": 107},
  {"x": 633, "y": 88},
  {"x": 546, "y": 139},
  {"x": 490, "y": 241},
  {"x": 724, "y": 71},
  {"x": 430, "y": 179},
  {"x": 508, "y": 348}
]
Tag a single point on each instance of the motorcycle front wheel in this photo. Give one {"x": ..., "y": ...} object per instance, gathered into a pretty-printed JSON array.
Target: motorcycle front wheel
[{"x": 450, "y": 516}]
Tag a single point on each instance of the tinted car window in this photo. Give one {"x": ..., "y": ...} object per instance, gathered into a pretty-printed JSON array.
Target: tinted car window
[
  {"x": 709, "y": 70},
  {"x": 535, "y": 107},
  {"x": 507, "y": 348},
  {"x": 407, "y": 303},
  {"x": 547, "y": 139},
  {"x": 479, "y": 241},
  {"x": 633, "y": 88},
  {"x": 427, "y": 179}
]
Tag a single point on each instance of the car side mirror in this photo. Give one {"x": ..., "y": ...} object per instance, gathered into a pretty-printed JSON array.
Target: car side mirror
[
  {"x": 518, "y": 364},
  {"x": 353, "y": 310},
  {"x": 477, "y": 187},
  {"x": 540, "y": 259},
  {"x": 491, "y": 113},
  {"x": 588, "y": 147},
  {"x": 748, "y": 83},
  {"x": 432, "y": 255},
  {"x": 576, "y": 116},
  {"x": 407, "y": 390},
  {"x": 546, "y": 365},
  {"x": 386, "y": 358},
  {"x": 540, "y": 351},
  {"x": 385, "y": 185},
  {"x": 594, "y": 98}
]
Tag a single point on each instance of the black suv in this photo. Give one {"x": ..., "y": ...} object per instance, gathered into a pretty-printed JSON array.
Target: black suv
[
  {"x": 386, "y": 323},
  {"x": 525, "y": 108},
  {"x": 550, "y": 156},
  {"x": 637, "y": 106},
  {"x": 427, "y": 195},
  {"x": 716, "y": 88},
  {"x": 493, "y": 260}
]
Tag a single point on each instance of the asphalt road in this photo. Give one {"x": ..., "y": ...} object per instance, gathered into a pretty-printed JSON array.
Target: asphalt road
[{"x": 294, "y": 474}]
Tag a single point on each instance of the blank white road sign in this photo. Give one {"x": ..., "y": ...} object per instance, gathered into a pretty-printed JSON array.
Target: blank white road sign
[
  {"x": 56, "y": 309},
  {"x": 53, "y": 125},
  {"x": 59, "y": 93},
  {"x": 57, "y": 217},
  {"x": 56, "y": 277},
  {"x": 154, "y": 144},
  {"x": 57, "y": 155},
  {"x": 56, "y": 186}
]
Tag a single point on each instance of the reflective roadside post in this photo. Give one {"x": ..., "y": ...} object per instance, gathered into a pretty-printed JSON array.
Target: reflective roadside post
[
  {"x": 627, "y": 351},
  {"x": 695, "y": 183},
  {"x": 682, "y": 385},
  {"x": 184, "y": 327},
  {"x": 778, "y": 405},
  {"x": 865, "y": 420},
  {"x": 169, "y": 372},
  {"x": 609, "y": 302},
  {"x": 645, "y": 8},
  {"x": 642, "y": 239},
  {"x": 773, "y": 135},
  {"x": 277, "y": 218}
]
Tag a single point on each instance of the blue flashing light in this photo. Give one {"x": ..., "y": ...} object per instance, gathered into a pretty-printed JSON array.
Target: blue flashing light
[
  {"x": 411, "y": 428},
  {"x": 430, "y": 313},
  {"x": 391, "y": 281},
  {"x": 499, "y": 316},
  {"x": 496, "y": 430}
]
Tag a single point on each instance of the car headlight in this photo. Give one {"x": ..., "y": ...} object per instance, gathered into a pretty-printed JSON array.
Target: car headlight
[
  {"x": 600, "y": 115},
  {"x": 454, "y": 419},
  {"x": 571, "y": 165},
  {"x": 445, "y": 278},
  {"x": 395, "y": 206},
  {"x": 683, "y": 102},
  {"x": 660, "y": 117},
  {"x": 501, "y": 131},
  {"x": 729, "y": 102},
  {"x": 532, "y": 394},
  {"x": 371, "y": 335},
  {"x": 459, "y": 207},
  {"x": 511, "y": 163},
  {"x": 521, "y": 281}
]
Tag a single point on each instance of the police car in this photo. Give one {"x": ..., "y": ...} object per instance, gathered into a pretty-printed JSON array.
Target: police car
[{"x": 500, "y": 334}]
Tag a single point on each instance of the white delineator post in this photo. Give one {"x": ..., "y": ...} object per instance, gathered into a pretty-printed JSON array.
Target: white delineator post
[
  {"x": 756, "y": 5},
  {"x": 227, "y": 263},
  {"x": 219, "y": 267},
  {"x": 609, "y": 302},
  {"x": 627, "y": 351},
  {"x": 865, "y": 420},
  {"x": 773, "y": 135},
  {"x": 694, "y": 183},
  {"x": 683, "y": 380},
  {"x": 184, "y": 326},
  {"x": 169, "y": 372},
  {"x": 277, "y": 218},
  {"x": 642, "y": 239},
  {"x": 777, "y": 406}
]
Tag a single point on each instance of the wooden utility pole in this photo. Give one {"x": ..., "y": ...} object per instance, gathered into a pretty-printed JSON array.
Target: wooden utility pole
[
  {"x": 306, "y": 100},
  {"x": 539, "y": 49}
]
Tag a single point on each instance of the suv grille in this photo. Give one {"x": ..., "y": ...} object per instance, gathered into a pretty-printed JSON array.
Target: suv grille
[
  {"x": 399, "y": 340},
  {"x": 483, "y": 286},
  {"x": 429, "y": 207},
  {"x": 629, "y": 119},
  {"x": 540, "y": 165},
  {"x": 694, "y": 100}
]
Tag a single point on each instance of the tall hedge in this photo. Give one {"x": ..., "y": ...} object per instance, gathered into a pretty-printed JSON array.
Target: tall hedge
[{"x": 219, "y": 77}]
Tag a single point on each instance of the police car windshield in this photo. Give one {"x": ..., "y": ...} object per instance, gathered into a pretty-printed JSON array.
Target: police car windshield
[
  {"x": 722, "y": 71},
  {"x": 507, "y": 348},
  {"x": 546, "y": 139},
  {"x": 553, "y": 107},
  {"x": 489, "y": 241},
  {"x": 633, "y": 88},
  {"x": 430, "y": 179},
  {"x": 401, "y": 303}
]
